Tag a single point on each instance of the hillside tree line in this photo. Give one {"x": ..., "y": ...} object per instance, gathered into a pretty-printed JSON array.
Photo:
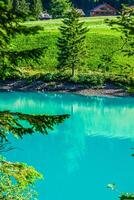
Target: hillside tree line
[{"x": 36, "y": 6}]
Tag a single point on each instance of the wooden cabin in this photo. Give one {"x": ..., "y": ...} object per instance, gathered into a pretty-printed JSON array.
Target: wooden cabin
[{"x": 103, "y": 10}]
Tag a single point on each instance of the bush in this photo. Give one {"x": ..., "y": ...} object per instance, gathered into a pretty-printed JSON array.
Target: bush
[
  {"x": 10, "y": 74},
  {"x": 130, "y": 90},
  {"x": 42, "y": 77},
  {"x": 91, "y": 79},
  {"x": 47, "y": 77},
  {"x": 121, "y": 80},
  {"x": 60, "y": 76}
]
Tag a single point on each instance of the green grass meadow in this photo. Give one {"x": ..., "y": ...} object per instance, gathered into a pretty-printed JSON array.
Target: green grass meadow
[{"x": 101, "y": 40}]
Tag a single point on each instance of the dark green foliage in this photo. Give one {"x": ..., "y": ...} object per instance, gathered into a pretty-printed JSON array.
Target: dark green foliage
[
  {"x": 59, "y": 8},
  {"x": 49, "y": 77},
  {"x": 91, "y": 80},
  {"x": 88, "y": 80},
  {"x": 10, "y": 3},
  {"x": 14, "y": 123},
  {"x": 127, "y": 197},
  {"x": 61, "y": 77},
  {"x": 71, "y": 43},
  {"x": 37, "y": 8},
  {"x": 27, "y": 54},
  {"x": 125, "y": 24},
  {"x": 21, "y": 6},
  {"x": 120, "y": 80},
  {"x": 10, "y": 25}
]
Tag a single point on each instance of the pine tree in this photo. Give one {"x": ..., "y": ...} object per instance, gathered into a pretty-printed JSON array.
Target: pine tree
[
  {"x": 125, "y": 24},
  {"x": 25, "y": 176},
  {"x": 71, "y": 43},
  {"x": 11, "y": 122},
  {"x": 10, "y": 26},
  {"x": 37, "y": 8},
  {"x": 59, "y": 8},
  {"x": 22, "y": 6},
  {"x": 10, "y": 3}
]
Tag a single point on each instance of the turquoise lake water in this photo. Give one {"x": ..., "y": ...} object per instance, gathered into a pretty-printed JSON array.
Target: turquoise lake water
[{"x": 85, "y": 153}]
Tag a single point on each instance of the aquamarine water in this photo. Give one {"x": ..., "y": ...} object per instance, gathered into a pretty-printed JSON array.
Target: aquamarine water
[{"x": 85, "y": 153}]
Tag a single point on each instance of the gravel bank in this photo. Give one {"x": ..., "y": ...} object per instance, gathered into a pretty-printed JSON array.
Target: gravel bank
[{"x": 24, "y": 85}]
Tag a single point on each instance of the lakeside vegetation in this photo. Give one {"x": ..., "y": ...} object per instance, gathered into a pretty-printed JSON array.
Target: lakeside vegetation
[{"x": 100, "y": 40}]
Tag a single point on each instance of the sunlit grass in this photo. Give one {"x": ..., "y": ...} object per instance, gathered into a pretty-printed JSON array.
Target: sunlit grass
[{"x": 101, "y": 39}]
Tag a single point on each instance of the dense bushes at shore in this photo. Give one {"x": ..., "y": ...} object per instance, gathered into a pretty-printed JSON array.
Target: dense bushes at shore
[{"x": 88, "y": 80}]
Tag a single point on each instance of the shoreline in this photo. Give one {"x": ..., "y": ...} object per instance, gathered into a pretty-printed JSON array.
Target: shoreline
[{"x": 62, "y": 87}]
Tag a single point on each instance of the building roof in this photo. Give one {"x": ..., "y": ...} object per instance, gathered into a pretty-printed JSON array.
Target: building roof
[{"x": 103, "y": 5}]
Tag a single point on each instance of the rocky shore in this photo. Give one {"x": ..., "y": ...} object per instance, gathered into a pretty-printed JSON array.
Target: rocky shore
[{"x": 25, "y": 85}]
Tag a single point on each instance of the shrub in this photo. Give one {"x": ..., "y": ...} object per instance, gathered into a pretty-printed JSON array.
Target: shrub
[
  {"x": 61, "y": 76},
  {"x": 47, "y": 77},
  {"x": 122, "y": 80},
  {"x": 91, "y": 79},
  {"x": 130, "y": 90}
]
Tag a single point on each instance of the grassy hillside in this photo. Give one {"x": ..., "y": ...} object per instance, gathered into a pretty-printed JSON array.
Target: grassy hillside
[{"x": 100, "y": 40}]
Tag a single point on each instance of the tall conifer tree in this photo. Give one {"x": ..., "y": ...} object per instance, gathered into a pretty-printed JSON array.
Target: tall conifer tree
[
  {"x": 71, "y": 43},
  {"x": 10, "y": 3},
  {"x": 22, "y": 6},
  {"x": 59, "y": 8},
  {"x": 37, "y": 8},
  {"x": 10, "y": 26}
]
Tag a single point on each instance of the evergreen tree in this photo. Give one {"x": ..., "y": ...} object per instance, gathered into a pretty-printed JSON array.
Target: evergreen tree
[
  {"x": 37, "y": 8},
  {"x": 11, "y": 122},
  {"x": 10, "y": 26},
  {"x": 59, "y": 8},
  {"x": 10, "y": 3},
  {"x": 22, "y": 6},
  {"x": 125, "y": 24},
  {"x": 71, "y": 43},
  {"x": 24, "y": 176}
]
